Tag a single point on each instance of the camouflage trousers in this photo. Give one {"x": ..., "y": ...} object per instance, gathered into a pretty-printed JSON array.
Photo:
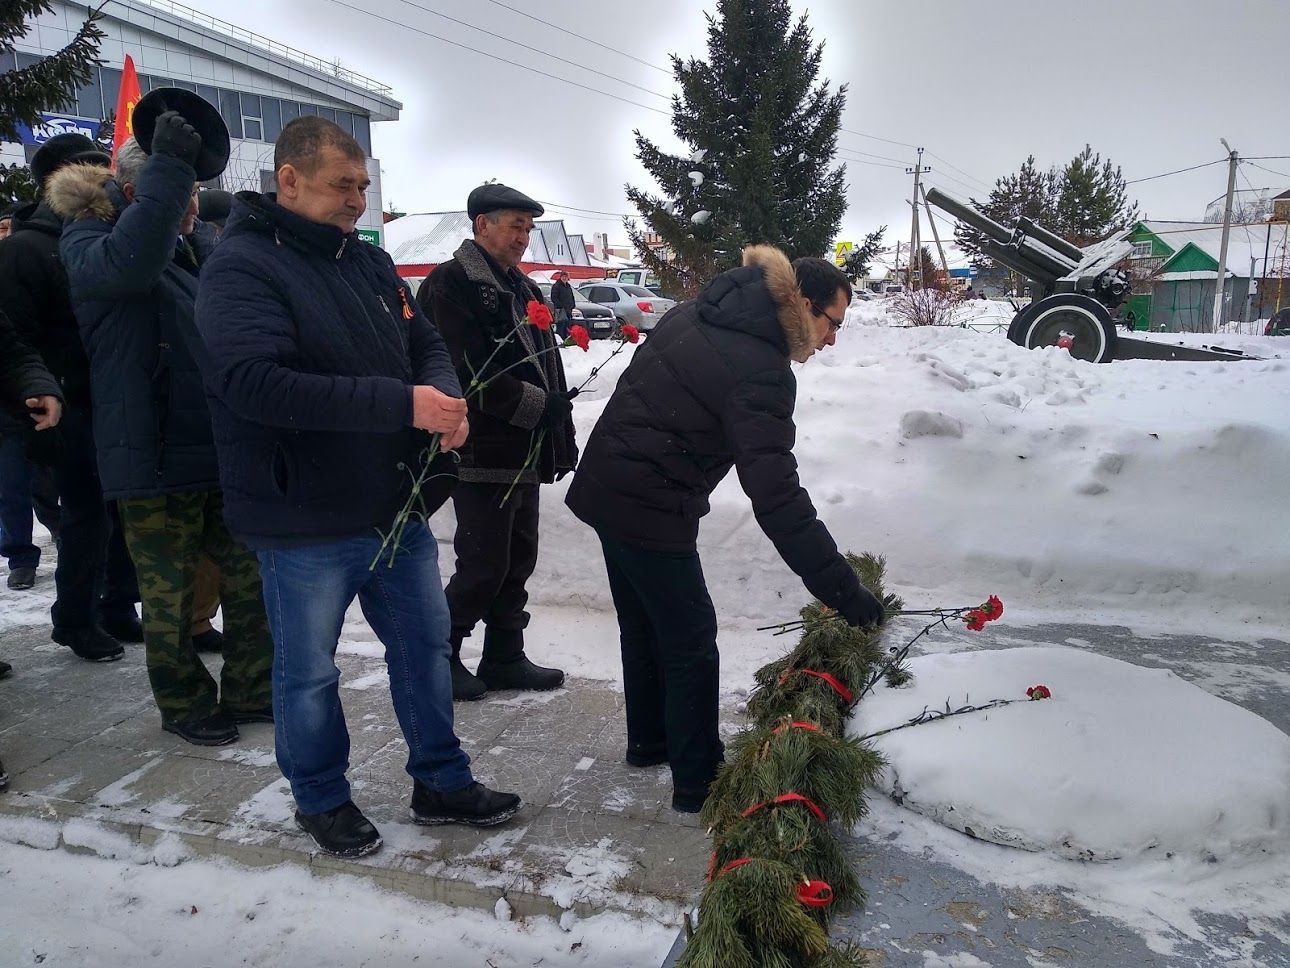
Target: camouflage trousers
[{"x": 167, "y": 537}]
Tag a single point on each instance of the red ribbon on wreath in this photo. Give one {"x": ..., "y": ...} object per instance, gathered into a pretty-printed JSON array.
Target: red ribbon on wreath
[
  {"x": 816, "y": 894},
  {"x": 795, "y": 724},
  {"x": 840, "y": 689},
  {"x": 807, "y": 802}
]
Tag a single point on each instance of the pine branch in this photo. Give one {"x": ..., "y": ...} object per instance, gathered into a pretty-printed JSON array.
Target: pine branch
[{"x": 51, "y": 83}]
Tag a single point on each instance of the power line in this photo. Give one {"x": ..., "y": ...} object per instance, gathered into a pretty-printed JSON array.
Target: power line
[
  {"x": 565, "y": 30},
  {"x": 960, "y": 170},
  {"x": 483, "y": 53},
  {"x": 1270, "y": 171},
  {"x": 593, "y": 211},
  {"x": 1180, "y": 171},
  {"x": 874, "y": 137},
  {"x": 535, "y": 50}
]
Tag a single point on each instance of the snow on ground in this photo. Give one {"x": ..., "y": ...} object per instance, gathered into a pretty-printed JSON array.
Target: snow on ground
[
  {"x": 135, "y": 910},
  {"x": 1146, "y": 493},
  {"x": 1121, "y": 762}
]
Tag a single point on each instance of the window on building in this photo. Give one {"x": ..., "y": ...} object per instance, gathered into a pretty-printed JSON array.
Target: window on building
[
  {"x": 268, "y": 181},
  {"x": 252, "y": 129},
  {"x": 8, "y": 62},
  {"x": 290, "y": 111},
  {"x": 363, "y": 133},
  {"x": 1142, "y": 250},
  {"x": 230, "y": 109},
  {"x": 110, "y": 82},
  {"x": 272, "y": 116},
  {"x": 208, "y": 93},
  {"x": 185, "y": 85},
  {"x": 308, "y": 110},
  {"x": 328, "y": 113},
  {"x": 89, "y": 99}
]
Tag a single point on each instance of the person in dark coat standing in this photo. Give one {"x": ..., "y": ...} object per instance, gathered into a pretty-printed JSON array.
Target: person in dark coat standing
[
  {"x": 563, "y": 300},
  {"x": 28, "y": 391},
  {"x": 712, "y": 389},
  {"x": 521, "y": 436},
  {"x": 132, "y": 250},
  {"x": 92, "y": 553},
  {"x": 325, "y": 379}
]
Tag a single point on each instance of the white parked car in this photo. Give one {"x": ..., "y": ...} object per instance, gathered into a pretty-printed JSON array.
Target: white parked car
[{"x": 631, "y": 304}]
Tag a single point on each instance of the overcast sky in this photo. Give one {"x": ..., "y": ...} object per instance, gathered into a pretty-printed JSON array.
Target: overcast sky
[{"x": 980, "y": 84}]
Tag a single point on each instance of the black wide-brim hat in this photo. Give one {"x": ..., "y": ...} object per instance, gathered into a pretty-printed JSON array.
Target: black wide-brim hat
[
  {"x": 66, "y": 149},
  {"x": 497, "y": 198}
]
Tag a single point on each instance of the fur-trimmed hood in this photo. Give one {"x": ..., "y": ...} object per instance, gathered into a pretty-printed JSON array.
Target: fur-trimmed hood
[
  {"x": 781, "y": 280},
  {"x": 81, "y": 192}
]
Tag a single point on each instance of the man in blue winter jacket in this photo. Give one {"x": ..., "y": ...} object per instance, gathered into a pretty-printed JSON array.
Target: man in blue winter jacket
[{"x": 325, "y": 377}]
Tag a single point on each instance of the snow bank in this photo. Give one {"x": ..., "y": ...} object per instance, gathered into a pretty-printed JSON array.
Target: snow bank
[
  {"x": 1146, "y": 492},
  {"x": 1122, "y": 761}
]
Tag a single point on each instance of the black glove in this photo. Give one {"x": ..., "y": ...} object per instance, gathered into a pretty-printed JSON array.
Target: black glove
[
  {"x": 557, "y": 410},
  {"x": 175, "y": 137},
  {"x": 863, "y": 608}
]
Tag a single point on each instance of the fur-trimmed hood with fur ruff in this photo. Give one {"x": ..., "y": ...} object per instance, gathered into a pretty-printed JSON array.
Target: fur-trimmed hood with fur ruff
[
  {"x": 81, "y": 192},
  {"x": 781, "y": 280}
]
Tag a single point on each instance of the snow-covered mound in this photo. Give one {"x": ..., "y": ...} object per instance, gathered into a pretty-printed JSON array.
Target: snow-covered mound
[
  {"x": 1121, "y": 761},
  {"x": 1151, "y": 492}
]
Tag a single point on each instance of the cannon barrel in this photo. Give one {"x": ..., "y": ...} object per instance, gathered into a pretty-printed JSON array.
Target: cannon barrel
[
  {"x": 966, "y": 213},
  {"x": 1045, "y": 258},
  {"x": 1059, "y": 245},
  {"x": 1017, "y": 262}
]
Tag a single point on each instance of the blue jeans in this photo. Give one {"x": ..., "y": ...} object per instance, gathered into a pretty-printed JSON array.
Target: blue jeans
[
  {"x": 306, "y": 593},
  {"x": 15, "y": 503}
]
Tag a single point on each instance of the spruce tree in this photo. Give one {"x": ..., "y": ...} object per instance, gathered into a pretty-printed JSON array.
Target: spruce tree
[
  {"x": 1093, "y": 200},
  {"x": 860, "y": 259},
  {"x": 48, "y": 85},
  {"x": 763, "y": 128}
]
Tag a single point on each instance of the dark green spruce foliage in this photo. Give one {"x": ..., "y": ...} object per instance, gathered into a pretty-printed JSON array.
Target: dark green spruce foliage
[
  {"x": 49, "y": 84},
  {"x": 762, "y": 127},
  {"x": 750, "y": 916}
]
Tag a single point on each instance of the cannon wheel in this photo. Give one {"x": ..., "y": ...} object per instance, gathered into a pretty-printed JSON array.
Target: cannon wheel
[{"x": 1080, "y": 323}]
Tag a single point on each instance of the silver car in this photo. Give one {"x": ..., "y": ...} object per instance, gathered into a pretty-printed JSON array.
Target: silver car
[{"x": 631, "y": 304}]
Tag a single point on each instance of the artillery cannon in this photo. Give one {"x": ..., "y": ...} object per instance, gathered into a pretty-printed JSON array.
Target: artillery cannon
[{"x": 1075, "y": 290}]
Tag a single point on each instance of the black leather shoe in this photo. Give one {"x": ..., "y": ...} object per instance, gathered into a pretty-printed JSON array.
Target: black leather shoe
[
  {"x": 466, "y": 686},
  {"x": 5, "y": 669},
  {"x": 20, "y": 579},
  {"x": 342, "y": 832},
  {"x": 688, "y": 800},
  {"x": 123, "y": 628},
  {"x": 475, "y": 805},
  {"x": 212, "y": 640},
  {"x": 217, "y": 730},
  {"x": 644, "y": 756},
  {"x": 262, "y": 715},
  {"x": 519, "y": 673},
  {"x": 92, "y": 644}
]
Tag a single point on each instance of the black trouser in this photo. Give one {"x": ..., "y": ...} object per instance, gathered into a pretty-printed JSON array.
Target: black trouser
[
  {"x": 671, "y": 668},
  {"x": 83, "y": 525},
  {"x": 497, "y": 550}
]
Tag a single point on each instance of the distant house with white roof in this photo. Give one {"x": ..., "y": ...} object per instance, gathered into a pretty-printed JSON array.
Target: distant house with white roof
[
  {"x": 418, "y": 243},
  {"x": 1175, "y": 267}
]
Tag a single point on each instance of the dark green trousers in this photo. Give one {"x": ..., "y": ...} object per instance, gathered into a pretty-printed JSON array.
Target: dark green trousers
[{"x": 167, "y": 537}]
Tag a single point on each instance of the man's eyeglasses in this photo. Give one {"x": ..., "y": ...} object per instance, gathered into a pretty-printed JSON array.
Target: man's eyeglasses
[{"x": 835, "y": 324}]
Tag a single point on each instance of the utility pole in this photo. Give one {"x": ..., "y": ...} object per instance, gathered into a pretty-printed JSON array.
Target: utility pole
[
  {"x": 945, "y": 266},
  {"x": 915, "y": 242},
  {"x": 1220, "y": 284},
  {"x": 898, "y": 260}
]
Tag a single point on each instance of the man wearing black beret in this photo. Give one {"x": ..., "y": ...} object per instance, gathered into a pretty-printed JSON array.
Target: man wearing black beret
[
  {"x": 34, "y": 293},
  {"x": 521, "y": 436}
]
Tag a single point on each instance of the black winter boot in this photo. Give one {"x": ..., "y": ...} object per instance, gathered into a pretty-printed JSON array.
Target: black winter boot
[
  {"x": 475, "y": 805},
  {"x": 342, "y": 832},
  {"x": 466, "y": 687},
  {"x": 91, "y": 644},
  {"x": 505, "y": 666}
]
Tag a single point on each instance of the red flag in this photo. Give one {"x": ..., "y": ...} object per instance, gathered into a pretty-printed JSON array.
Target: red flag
[{"x": 125, "y": 101}]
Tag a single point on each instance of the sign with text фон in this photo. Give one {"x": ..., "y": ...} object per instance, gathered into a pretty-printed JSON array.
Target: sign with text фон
[
  {"x": 370, "y": 235},
  {"x": 54, "y": 124}
]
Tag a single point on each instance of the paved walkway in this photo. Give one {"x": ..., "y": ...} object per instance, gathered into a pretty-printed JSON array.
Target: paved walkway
[{"x": 91, "y": 769}]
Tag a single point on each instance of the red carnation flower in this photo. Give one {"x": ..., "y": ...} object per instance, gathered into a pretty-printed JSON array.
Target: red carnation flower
[
  {"x": 538, "y": 314},
  {"x": 580, "y": 337},
  {"x": 631, "y": 333},
  {"x": 993, "y": 608},
  {"x": 1039, "y": 692},
  {"x": 976, "y": 620}
]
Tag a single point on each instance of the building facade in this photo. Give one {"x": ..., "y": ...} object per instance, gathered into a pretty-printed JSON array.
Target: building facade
[{"x": 258, "y": 85}]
